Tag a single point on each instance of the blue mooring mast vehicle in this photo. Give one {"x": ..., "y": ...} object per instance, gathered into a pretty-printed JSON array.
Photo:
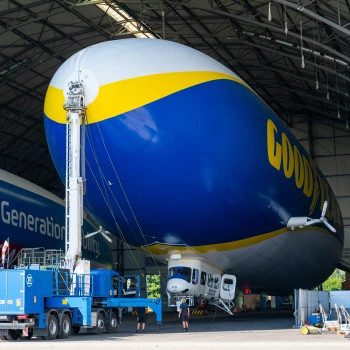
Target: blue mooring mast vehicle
[
  {"x": 51, "y": 293},
  {"x": 40, "y": 299}
]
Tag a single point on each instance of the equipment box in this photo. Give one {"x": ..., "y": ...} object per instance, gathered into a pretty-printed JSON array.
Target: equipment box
[{"x": 22, "y": 291}]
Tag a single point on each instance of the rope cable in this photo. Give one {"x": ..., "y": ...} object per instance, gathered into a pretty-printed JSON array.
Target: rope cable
[
  {"x": 106, "y": 195},
  {"x": 119, "y": 207},
  {"x": 113, "y": 216},
  {"x": 127, "y": 200}
]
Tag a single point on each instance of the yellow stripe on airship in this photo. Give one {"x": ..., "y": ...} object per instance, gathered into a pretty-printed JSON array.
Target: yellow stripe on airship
[
  {"x": 161, "y": 249},
  {"x": 123, "y": 96}
]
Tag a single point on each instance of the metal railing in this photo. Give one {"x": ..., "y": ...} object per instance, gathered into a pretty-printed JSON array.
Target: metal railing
[
  {"x": 175, "y": 300},
  {"x": 64, "y": 283},
  {"x": 72, "y": 284},
  {"x": 32, "y": 256},
  {"x": 50, "y": 259}
]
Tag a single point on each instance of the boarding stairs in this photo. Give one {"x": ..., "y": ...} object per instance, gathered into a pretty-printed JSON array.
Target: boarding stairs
[
  {"x": 345, "y": 328},
  {"x": 333, "y": 325},
  {"x": 225, "y": 305}
]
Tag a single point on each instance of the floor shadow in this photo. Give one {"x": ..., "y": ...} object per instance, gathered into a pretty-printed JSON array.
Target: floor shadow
[{"x": 245, "y": 322}]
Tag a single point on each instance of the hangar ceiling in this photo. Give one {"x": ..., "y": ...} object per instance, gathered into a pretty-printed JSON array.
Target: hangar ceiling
[{"x": 295, "y": 54}]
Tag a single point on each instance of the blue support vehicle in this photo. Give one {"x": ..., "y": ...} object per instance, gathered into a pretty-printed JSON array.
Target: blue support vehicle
[{"x": 40, "y": 299}]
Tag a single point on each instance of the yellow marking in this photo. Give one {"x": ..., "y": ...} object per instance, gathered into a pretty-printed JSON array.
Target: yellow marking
[
  {"x": 299, "y": 168},
  {"x": 64, "y": 301},
  {"x": 274, "y": 151},
  {"x": 288, "y": 157},
  {"x": 306, "y": 173},
  {"x": 161, "y": 249},
  {"x": 122, "y": 96},
  {"x": 308, "y": 182}
]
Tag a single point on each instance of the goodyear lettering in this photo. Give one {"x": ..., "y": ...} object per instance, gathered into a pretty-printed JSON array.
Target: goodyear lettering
[
  {"x": 308, "y": 182},
  {"x": 316, "y": 186},
  {"x": 299, "y": 168},
  {"x": 303, "y": 171},
  {"x": 273, "y": 147},
  {"x": 288, "y": 157},
  {"x": 322, "y": 187}
]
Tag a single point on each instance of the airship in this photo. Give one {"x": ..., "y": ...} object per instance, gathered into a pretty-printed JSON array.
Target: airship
[
  {"x": 31, "y": 217},
  {"x": 186, "y": 162}
]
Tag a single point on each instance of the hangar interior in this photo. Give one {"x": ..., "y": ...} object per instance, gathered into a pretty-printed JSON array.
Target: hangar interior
[{"x": 294, "y": 53}]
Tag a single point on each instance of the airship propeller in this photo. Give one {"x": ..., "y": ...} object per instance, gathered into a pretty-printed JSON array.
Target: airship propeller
[
  {"x": 322, "y": 219},
  {"x": 303, "y": 221},
  {"x": 103, "y": 232}
]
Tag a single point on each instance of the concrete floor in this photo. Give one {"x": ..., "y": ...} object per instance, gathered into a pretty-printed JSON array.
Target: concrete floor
[{"x": 253, "y": 330}]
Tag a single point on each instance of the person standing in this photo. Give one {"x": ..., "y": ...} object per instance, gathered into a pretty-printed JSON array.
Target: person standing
[
  {"x": 205, "y": 307},
  {"x": 141, "y": 319},
  {"x": 184, "y": 314}
]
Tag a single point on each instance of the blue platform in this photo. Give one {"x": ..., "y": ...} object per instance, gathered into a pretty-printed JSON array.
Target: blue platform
[{"x": 34, "y": 292}]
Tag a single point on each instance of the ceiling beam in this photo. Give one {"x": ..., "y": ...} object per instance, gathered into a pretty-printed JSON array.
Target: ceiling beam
[
  {"x": 265, "y": 26},
  {"x": 304, "y": 11}
]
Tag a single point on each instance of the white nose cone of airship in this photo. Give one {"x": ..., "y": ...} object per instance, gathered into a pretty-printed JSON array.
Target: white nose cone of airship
[{"x": 177, "y": 285}]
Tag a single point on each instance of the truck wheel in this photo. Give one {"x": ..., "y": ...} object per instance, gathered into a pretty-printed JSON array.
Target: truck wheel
[
  {"x": 13, "y": 335},
  {"x": 52, "y": 327},
  {"x": 76, "y": 329},
  {"x": 3, "y": 337},
  {"x": 112, "y": 326},
  {"x": 100, "y": 326},
  {"x": 66, "y": 327}
]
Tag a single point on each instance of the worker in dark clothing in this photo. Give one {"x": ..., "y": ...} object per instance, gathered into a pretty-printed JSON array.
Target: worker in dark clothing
[
  {"x": 184, "y": 314},
  {"x": 141, "y": 319},
  {"x": 205, "y": 307}
]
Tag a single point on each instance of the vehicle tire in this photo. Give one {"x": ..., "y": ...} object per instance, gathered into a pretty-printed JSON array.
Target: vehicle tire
[
  {"x": 76, "y": 329},
  {"x": 13, "y": 335},
  {"x": 2, "y": 337},
  {"x": 100, "y": 324},
  {"x": 52, "y": 327},
  {"x": 112, "y": 326},
  {"x": 66, "y": 327}
]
